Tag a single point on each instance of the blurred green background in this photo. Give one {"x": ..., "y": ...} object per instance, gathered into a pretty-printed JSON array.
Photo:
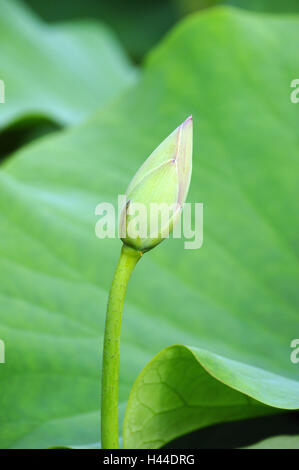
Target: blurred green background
[
  {"x": 140, "y": 25},
  {"x": 137, "y": 25}
]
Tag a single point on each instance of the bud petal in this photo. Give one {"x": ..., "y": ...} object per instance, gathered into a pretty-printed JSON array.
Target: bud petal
[{"x": 163, "y": 180}]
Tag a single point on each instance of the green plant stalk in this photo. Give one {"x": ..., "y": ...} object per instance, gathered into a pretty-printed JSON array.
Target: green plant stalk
[{"x": 110, "y": 371}]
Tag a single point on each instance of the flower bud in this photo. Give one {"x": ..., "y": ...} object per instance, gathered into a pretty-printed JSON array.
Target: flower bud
[{"x": 157, "y": 192}]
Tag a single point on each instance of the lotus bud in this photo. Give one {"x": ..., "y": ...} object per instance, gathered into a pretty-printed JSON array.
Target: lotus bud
[{"x": 157, "y": 192}]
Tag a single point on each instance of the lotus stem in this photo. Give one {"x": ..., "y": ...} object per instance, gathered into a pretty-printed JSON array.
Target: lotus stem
[{"x": 110, "y": 369}]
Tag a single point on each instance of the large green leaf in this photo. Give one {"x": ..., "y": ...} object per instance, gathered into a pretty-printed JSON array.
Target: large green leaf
[
  {"x": 285, "y": 6},
  {"x": 235, "y": 300},
  {"x": 58, "y": 72},
  {"x": 174, "y": 394},
  {"x": 277, "y": 442}
]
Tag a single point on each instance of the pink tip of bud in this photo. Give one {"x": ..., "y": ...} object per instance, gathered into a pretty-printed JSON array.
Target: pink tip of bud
[{"x": 187, "y": 120}]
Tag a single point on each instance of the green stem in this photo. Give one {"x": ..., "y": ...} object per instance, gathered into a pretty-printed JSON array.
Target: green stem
[{"x": 109, "y": 420}]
